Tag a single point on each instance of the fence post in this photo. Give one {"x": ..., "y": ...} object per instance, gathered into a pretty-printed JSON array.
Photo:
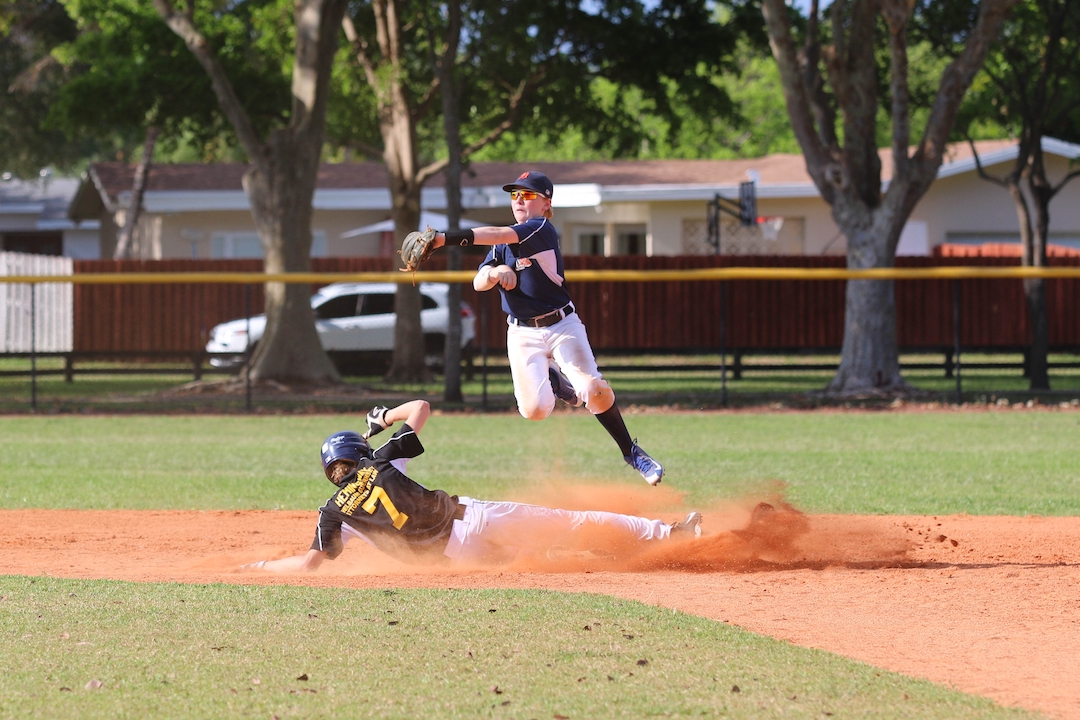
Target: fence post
[
  {"x": 33, "y": 348},
  {"x": 483, "y": 349},
  {"x": 723, "y": 344},
  {"x": 247, "y": 349},
  {"x": 956, "y": 340}
]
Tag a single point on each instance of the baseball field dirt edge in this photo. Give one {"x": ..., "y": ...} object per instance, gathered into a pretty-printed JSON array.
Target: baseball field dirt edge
[{"x": 986, "y": 605}]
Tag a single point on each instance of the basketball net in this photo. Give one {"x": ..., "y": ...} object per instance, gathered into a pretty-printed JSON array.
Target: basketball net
[{"x": 770, "y": 228}]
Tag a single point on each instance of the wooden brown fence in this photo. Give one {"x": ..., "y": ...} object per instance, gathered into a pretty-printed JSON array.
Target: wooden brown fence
[{"x": 761, "y": 315}]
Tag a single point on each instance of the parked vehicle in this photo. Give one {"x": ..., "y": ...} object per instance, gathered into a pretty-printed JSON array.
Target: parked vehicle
[{"x": 355, "y": 322}]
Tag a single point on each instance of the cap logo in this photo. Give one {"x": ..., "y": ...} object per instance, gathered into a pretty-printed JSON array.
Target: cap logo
[{"x": 523, "y": 175}]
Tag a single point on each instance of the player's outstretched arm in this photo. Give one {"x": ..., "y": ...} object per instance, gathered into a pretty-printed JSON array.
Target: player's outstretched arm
[
  {"x": 415, "y": 413},
  {"x": 486, "y": 235},
  {"x": 297, "y": 563}
]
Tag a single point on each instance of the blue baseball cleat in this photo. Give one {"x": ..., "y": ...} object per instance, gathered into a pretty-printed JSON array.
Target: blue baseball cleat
[{"x": 652, "y": 471}]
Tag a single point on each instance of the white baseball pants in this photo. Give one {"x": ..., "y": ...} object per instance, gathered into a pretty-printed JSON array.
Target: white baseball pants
[
  {"x": 531, "y": 350},
  {"x": 494, "y": 531}
]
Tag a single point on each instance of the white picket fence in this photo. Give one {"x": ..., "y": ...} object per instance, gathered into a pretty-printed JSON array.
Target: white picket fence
[{"x": 53, "y": 327}]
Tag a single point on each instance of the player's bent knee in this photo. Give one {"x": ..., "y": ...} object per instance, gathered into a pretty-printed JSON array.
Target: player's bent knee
[
  {"x": 535, "y": 411},
  {"x": 601, "y": 397}
]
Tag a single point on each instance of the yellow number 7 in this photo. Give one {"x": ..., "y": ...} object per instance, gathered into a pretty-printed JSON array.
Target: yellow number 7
[{"x": 377, "y": 494}]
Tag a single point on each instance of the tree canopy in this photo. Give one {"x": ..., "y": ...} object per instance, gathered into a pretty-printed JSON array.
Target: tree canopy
[
  {"x": 129, "y": 71},
  {"x": 30, "y": 77}
]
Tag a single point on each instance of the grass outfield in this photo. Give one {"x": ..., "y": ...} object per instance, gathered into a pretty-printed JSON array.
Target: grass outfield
[
  {"x": 999, "y": 462},
  {"x": 196, "y": 650},
  {"x": 213, "y": 651}
]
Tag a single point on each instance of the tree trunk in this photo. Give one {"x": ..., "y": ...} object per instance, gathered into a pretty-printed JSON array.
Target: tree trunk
[
  {"x": 452, "y": 174},
  {"x": 826, "y": 82},
  {"x": 138, "y": 188},
  {"x": 290, "y": 349},
  {"x": 1034, "y": 255},
  {"x": 869, "y": 357},
  {"x": 1038, "y": 355},
  {"x": 407, "y": 364},
  {"x": 281, "y": 182}
]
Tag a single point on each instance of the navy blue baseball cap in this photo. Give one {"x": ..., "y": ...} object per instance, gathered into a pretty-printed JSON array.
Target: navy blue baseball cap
[{"x": 532, "y": 180}]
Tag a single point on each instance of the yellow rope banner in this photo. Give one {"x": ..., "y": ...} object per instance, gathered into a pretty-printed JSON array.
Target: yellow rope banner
[{"x": 966, "y": 272}]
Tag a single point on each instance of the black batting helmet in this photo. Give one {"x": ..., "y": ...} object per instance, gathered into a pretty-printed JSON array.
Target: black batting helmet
[{"x": 344, "y": 445}]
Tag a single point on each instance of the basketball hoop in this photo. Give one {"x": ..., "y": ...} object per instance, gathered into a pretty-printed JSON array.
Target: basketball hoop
[{"x": 770, "y": 227}]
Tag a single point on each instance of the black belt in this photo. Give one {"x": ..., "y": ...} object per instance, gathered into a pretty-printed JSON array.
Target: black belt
[
  {"x": 459, "y": 512},
  {"x": 547, "y": 319}
]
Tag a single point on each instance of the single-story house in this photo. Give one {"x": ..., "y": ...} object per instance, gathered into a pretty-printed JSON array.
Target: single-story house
[
  {"x": 650, "y": 207},
  {"x": 34, "y": 218}
]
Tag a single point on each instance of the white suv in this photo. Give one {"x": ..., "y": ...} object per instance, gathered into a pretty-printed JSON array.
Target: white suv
[{"x": 355, "y": 322}]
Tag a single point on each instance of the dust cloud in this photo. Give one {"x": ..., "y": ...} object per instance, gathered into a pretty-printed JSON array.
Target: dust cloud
[{"x": 758, "y": 532}]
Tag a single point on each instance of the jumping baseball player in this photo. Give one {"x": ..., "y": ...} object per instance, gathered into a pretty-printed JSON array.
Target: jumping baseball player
[
  {"x": 548, "y": 348},
  {"x": 379, "y": 504}
]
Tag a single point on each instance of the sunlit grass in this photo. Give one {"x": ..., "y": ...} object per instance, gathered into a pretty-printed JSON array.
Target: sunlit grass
[{"x": 225, "y": 651}]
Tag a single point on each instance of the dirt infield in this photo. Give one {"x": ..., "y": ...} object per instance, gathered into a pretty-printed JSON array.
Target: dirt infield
[{"x": 988, "y": 605}]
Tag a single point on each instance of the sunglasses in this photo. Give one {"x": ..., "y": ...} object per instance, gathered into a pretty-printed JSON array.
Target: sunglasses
[{"x": 524, "y": 195}]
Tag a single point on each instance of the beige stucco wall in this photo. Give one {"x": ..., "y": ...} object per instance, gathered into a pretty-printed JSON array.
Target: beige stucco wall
[
  {"x": 960, "y": 204},
  {"x": 968, "y": 204},
  {"x": 811, "y": 230},
  {"x": 189, "y": 234}
]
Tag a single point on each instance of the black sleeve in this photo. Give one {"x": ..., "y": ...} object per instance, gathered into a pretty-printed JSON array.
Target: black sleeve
[
  {"x": 405, "y": 443},
  {"x": 328, "y": 534}
]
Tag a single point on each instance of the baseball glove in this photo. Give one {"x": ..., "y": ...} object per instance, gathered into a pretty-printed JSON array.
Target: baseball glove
[{"x": 416, "y": 248}]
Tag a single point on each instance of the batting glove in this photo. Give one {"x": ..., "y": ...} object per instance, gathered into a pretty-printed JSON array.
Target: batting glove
[{"x": 376, "y": 421}]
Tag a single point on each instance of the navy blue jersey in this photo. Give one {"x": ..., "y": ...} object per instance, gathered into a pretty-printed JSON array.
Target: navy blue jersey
[
  {"x": 538, "y": 262},
  {"x": 396, "y": 514}
]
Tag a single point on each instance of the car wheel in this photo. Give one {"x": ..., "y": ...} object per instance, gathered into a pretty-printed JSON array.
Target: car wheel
[{"x": 434, "y": 351}]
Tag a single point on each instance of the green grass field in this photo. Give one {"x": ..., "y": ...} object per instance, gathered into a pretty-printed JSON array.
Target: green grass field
[
  {"x": 983, "y": 462},
  {"x": 215, "y": 651},
  {"x": 172, "y": 650}
]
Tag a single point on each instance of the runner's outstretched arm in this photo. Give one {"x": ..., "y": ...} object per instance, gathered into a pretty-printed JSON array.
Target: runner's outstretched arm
[{"x": 297, "y": 563}]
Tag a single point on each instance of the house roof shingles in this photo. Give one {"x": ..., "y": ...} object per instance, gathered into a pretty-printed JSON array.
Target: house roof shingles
[
  {"x": 116, "y": 178},
  {"x": 779, "y": 169}
]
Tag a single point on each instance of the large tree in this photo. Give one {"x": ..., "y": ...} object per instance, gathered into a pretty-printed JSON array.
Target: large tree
[
  {"x": 124, "y": 71},
  {"x": 514, "y": 57},
  {"x": 1033, "y": 90},
  {"x": 832, "y": 88},
  {"x": 392, "y": 57},
  {"x": 280, "y": 183},
  {"x": 30, "y": 30}
]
